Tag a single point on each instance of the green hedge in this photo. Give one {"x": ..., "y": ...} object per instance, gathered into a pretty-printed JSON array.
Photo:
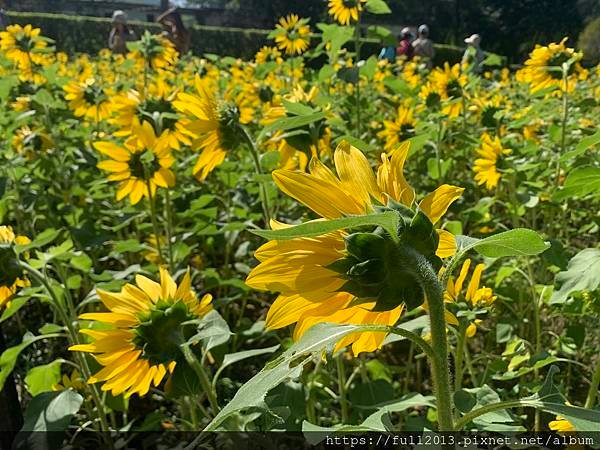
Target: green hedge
[
  {"x": 83, "y": 34},
  {"x": 75, "y": 34}
]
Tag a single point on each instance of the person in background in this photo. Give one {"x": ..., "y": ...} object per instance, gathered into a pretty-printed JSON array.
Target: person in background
[
  {"x": 120, "y": 33},
  {"x": 473, "y": 55},
  {"x": 423, "y": 46},
  {"x": 405, "y": 47},
  {"x": 388, "y": 52},
  {"x": 175, "y": 31}
]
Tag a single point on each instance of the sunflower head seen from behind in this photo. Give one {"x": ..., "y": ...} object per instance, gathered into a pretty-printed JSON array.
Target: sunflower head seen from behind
[
  {"x": 352, "y": 276},
  {"x": 292, "y": 35},
  {"x": 140, "y": 339},
  {"x": 544, "y": 68},
  {"x": 213, "y": 126},
  {"x": 141, "y": 165}
]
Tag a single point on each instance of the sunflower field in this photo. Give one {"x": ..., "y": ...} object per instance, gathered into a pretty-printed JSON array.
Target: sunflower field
[{"x": 308, "y": 241}]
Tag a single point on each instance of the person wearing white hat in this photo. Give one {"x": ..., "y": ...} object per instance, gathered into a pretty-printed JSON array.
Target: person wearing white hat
[
  {"x": 423, "y": 46},
  {"x": 473, "y": 55},
  {"x": 120, "y": 33}
]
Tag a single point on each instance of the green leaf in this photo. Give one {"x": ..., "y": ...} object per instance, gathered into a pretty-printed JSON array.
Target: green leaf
[
  {"x": 378, "y": 7},
  {"x": 9, "y": 357},
  {"x": 517, "y": 242},
  {"x": 579, "y": 183},
  {"x": 15, "y": 305},
  {"x": 42, "y": 239},
  {"x": 355, "y": 142},
  {"x": 582, "y": 274},
  {"x": 378, "y": 421},
  {"x": 336, "y": 35},
  {"x": 288, "y": 365},
  {"x": 41, "y": 378},
  {"x": 297, "y": 109},
  {"x": 387, "y": 220},
  {"x": 290, "y": 123},
  {"x": 81, "y": 262},
  {"x": 212, "y": 331},
  {"x": 549, "y": 399},
  {"x": 47, "y": 416},
  {"x": 493, "y": 421},
  {"x": 584, "y": 144},
  {"x": 232, "y": 358}
]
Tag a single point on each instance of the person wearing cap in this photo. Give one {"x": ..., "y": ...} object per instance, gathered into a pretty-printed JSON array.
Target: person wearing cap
[
  {"x": 405, "y": 47},
  {"x": 423, "y": 46},
  {"x": 120, "y": 33},
  {"x": 473, "y": 55},
  {"x": 175, "y": 31}
]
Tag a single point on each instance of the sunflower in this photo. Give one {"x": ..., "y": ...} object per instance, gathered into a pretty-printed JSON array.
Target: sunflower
[
  {"x": 142, "y": 344},
  {"x": 266, "y": 54},
  {"x": 396, "y": 131},
  {"x": 11, "y": 275},
  {"x": 211, "y": 127},
  {"x": 485, "y": 168},
  {"x": 306, "y": 270},
  {"x": 30, "y": 141},
  {"x": 450, "y": 83},
  {"x": 87, "y": 99},
  {"x": 156, "y": 107},
  {"x": 544, "y": 68},
  {"x": 22, "y": 44},
  {"x": 346, "y": 11},
  {"x": 155, "y": 51},
  {"x": 561, "y": 425},
  {"x": 143, "y": 163},
  {"x": 431, "y": 95},
  {"x": 292, "y": 34},
  {"x": 474, "y": 297}
]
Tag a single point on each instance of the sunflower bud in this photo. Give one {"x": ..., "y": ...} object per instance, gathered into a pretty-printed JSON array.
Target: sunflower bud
[
  {"x": 229, "y": 125},
  {"x": 376, "y": 266}
]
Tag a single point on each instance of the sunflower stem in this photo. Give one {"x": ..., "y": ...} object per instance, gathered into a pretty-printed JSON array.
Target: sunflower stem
[
  {"x": 74, "y": 337},
  {"x": 153, "y": 219},
  {"x": 193, "y": 362},
  {"x": 565, "y": 118},
  {"x": 262, "y": 185},
  {"x": 459, "y": 357},
  {"x": 341, "y": 376},
  {"x": 357, "y": 48},
  {"x": 593, "y": 392},
  {"x": 438, "y": 353},
  {"x": 169, "y": 214}
]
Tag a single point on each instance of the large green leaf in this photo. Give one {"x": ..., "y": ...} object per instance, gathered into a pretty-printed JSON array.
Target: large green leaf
[
  {"x": 41, "y": 378},
  {"x": 8, "y": 359},
  {"x": 387, "y": 220},
  {"x": 468, "y": 399},
  {"x": 582, "y": 146},
  {"x": 582, "y": 274},
  {"x": 47, "y": 416},
  {"x": 288, "y": 365},
  {"x": 581, "y": 182},
  {"x": 517, "y": 242},
  {"x": 378, "y": 7}
]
